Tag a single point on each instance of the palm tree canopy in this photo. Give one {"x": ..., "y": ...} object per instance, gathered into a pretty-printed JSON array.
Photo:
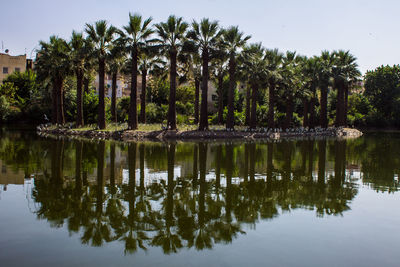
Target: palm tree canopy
[
  {"x": 54, "y": 59},
  {"x": 137, "y": 32},
  {"x": 345, "y": 67},
  {"x": 204, "y": 35},
  {"x": 233, "y": 39},
  {"x": 172, "y": 32},
  {"x": 101, "y": 35}
]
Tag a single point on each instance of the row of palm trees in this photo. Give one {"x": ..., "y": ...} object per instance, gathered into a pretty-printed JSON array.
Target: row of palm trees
[{"x": 202, "y": 50}]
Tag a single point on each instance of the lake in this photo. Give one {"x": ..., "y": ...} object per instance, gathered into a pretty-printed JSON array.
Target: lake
[{"x": 312, "y": 202}]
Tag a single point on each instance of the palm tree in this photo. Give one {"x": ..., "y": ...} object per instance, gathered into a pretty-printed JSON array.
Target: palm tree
[
  {"x": 148, "y": 62},
  {"x": 232, "y": 41},
  {"x": 172, "y": 37},
  {"x": 274, "y": 62},
  {"x": 345, "y": 70},
  {"x": 255, "y": 66},
  {"x": 136, "y": 36},
  {"x": 54, "y": 63},
  {"x": 324, "y": 80},
  {"x": 101, "y": 35},
  {"x": 80, "y": 49},
  {"x": 116, "y": 63},
  {"x": 205, "y": 38}
]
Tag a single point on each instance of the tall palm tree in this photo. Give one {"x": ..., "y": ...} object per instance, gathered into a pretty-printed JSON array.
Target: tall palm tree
[
  {"x": 255, "y": 66},
  {"x": 345, "y": 70},
  {"x": 116, "y": 63},
  {"x": 54, "y": 63},
  {"x": 172, "y": 37},
  {"x": 324, "y": 80},
  {"x": 148, "y": 63},
  {"x": 101, "y": 35},
  {"x": 274, "y": 61},
  {"x": 205, "y": 38},
  {"x": 80, "y": 48},
  {"x": 136, "y": 36},
  {"x": 232, "y": 41}
]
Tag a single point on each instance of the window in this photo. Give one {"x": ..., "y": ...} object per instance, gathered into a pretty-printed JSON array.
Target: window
[
  {"x": 5, "y": 70},
  {"x": 17, "y": 69}
]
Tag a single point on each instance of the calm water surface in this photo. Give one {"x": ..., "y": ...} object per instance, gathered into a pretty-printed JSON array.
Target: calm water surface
[{"x": 290, "y": 203}]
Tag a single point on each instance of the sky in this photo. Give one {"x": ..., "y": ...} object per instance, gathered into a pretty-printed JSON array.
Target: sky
[{"x": 369, "y": 29}]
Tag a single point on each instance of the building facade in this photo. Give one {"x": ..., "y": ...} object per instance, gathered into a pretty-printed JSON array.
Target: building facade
[{"x": 10, "y": 64}]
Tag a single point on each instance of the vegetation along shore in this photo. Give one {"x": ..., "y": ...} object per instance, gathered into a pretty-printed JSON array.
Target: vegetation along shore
[{"x": 259, "y": 92}]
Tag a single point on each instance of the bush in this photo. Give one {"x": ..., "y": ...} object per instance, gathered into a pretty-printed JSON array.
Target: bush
[
  {"x": 90, "y": 107},
  {"x": 155, "y": 113},
  {"x": 4, "y": 108}
]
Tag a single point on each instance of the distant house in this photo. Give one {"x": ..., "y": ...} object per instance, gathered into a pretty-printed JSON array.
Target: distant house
[
  {"x": 10, "y": 64},
  {"x": 123, "y": 85}
]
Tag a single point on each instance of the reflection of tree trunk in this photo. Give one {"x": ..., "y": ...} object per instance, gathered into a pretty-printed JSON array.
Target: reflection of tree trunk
[
  {"x": 132, "y": 179},
  {"x": 229, "y": 170},
  {"x": 321, "y": 161},
  {"x": 310, "y": 157},
  {"x": 303, "y": 156},
  {"x": 340, "y": 159},
  {"x": 202, "y": 163},
  {"x": 170, "y": 186},
  {"x": 78, "y": 170},
  {"x": 252, "y": 162},
  {"x": 195, "y": 160},
  {"x": 141, "y": 163},
  {"x": 270, "y": 166},
  {"x": 112, "y": 167},
  {"x": 218, "y": 158},
  {"x": 100, "y": 175},
  {"x": 288, "y": 159},
  {"x": 246, "y": 162}
]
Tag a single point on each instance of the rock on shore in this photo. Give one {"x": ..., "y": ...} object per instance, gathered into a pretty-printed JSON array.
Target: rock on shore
[{"x": 163, "y": 135}]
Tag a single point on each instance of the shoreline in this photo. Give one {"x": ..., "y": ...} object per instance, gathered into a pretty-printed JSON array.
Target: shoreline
[{"x": 195, "y": 135}]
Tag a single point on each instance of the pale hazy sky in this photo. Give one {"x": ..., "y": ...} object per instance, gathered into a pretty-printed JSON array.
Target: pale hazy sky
[{"x": 369, "y": 29}]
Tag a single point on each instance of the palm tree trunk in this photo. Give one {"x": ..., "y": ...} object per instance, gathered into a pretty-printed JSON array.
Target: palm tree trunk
[
  {"x": 102, "y": 111},
  {"x": 248, "y": 98},
  {"x": 230, "y": 120},
  {"x": 86, "y": 84},
  {"x": 196, "y": 100},
  {"x": 79, "y": 98},
  {"x": 143, "y": 97},
  {"x": 305, "y": 112},
  {"x": 289, "y": 112},
  {"x": 253, "y": 119},
  {"x": 220, "y": 100},
  {"x": 346, "y": 100},
  {"x": 204, "y": 93},
  {"x": 133, "y": 120},
  {"x": 324, "y": 107},
  {"x": 60, "y": 101},
  {"x": 340, "y": 105},
  {"x": 54, "y": 111},
  {"x": 114, "y": 97},
  {"x": 271, "y": 105},
  {"x": 172, "y": 91},
  {"x": 312, "y": 109}
]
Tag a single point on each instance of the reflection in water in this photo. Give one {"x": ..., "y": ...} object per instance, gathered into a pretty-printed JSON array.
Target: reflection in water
[{"x": 191, "y": 195}]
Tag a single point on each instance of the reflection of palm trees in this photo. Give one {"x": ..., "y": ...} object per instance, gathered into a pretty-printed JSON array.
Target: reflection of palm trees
[
  {"x": 197, "y": 213},
  {"x": 134, "y": 234},
  {"x": 166, "y": 236}
]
